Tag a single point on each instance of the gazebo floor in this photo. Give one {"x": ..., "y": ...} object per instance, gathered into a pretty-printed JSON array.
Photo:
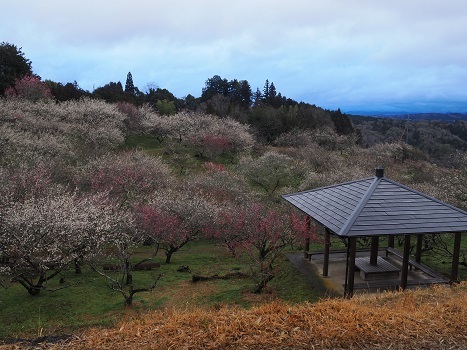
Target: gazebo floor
[{"x": 420, "y": 275}]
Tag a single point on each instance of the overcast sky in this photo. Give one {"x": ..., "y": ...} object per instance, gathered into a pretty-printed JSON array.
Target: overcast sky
[{"x": 398, "y": 55}]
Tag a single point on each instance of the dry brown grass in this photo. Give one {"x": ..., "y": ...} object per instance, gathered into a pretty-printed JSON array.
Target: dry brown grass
[{"x": 433, "y": 318}]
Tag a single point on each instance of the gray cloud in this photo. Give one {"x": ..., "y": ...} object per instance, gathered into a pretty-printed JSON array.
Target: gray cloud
[{"x": 333, "y": 53}]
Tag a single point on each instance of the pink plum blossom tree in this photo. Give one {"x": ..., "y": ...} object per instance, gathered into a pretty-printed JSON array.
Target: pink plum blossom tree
[
  {"x": 261, "y": 233},
  {"x": 174, "y": 217},
  {"x": 29, "y": 87}
]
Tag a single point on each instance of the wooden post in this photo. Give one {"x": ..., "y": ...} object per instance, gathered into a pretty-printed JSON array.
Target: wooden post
[
  {"x": 346, "y": 268},
  {"x": 418, "y": 252},
  {"x": 327, "y": 243},
  {"x": 352, "y": 242},
  {"x": 390, "y": 243},
  {"x": 455, "y": 257},
  {"x": 405, "y": 262},
  {"x": 374, "y": 250}
]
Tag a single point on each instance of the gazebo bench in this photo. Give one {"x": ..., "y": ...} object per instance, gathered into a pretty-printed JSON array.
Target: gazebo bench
[{"x": 417, "y": 265}]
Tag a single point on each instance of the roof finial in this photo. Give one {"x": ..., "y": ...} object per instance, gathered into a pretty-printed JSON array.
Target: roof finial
[{"x": 379, "y": 172}]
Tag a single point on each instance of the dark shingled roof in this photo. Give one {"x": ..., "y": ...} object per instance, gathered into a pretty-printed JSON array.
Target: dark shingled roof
[{"x": 378, "y": 206}]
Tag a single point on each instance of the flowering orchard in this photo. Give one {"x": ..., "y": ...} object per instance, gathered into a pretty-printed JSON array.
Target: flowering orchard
[
  {"x": 64, "y": 133},
  {"x": 68, "y": 189}
]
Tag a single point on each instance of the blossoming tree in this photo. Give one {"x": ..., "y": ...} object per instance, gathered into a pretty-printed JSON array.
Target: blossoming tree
[
  {"x": 175, "y": 217},
  {"x": 41, "y": 236},
  {"x": 261, "y": 233}
]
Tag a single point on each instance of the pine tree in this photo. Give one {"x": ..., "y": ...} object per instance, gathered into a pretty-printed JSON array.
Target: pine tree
[
  {"x": 257, "y": 97},
  {"x": 129, "y": 86},
  {"x": 266, "y": 90},
  {"x": 272, "y": 91},
  {"x": 245, "y": 93}
]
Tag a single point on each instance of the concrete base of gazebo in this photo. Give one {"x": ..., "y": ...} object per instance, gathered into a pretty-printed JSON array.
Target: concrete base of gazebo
[{"x": 337, "y": 270}]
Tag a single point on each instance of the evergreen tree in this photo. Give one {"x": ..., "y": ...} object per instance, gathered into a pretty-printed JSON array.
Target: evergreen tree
[
  {"x": 13, "y": 65},
  {"x": 111, "y": 92},
  {"x": 129, "y": 86},
  {"x": 245, "y": 93},
  {"x": 272, "y": 91},
  {"x": 191, "y": 102},
  {"x": 235, "y": 88},
  {"x": 69, "y": 91},
  {"x": 266, "y": 91},
  {"x": 213, "y": 86},
  {"x": 157, "y": 94},
  {"x": 257, "y": 97},
  {"x": 342, "y": 123}
]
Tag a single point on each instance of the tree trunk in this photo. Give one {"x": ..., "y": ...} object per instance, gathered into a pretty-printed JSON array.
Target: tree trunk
[
  {"x": 129, "y": 297},
  {"x": 171, "y": 250},
  {"x": 129, "y": 273},
  {"x": 168, "y": 256},
  {"x": 129, "y": 300},
  {"x": 78, "y": 270},
  {"x": 34, "y": 290},
  {"x": 129, "y": 278},
  {"x": 264, "y": 281}
]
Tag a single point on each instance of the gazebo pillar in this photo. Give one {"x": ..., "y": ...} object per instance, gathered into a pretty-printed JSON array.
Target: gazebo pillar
[
  {"x": 350, "y": 275},
  {"x": 418, "y": 251},
  {"x": 455, "y": 257},
  {"x": 374, "y": 250},
  {"x": 405, "y": 262},
  {"x": 391, "y": 241},
  {"x": 327, "y": 244}
]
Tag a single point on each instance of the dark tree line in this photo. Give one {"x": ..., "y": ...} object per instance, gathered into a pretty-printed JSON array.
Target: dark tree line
[
  {"x": 267, "y": 111},
  {"x": 66, "y": 92}
]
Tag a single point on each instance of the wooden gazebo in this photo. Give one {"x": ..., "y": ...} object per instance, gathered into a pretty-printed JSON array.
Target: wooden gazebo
[{"x": 376, "y": 207}]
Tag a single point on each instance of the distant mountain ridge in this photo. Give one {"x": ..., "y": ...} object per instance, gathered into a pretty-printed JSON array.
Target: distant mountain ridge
[{"x": 446, "y": 117}]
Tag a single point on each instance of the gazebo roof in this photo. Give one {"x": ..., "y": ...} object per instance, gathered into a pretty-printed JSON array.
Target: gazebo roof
[{"x": 377, "y": 206}]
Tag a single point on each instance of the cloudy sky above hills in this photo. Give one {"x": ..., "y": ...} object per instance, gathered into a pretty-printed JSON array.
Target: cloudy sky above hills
[{"x": 355, "y": 55}]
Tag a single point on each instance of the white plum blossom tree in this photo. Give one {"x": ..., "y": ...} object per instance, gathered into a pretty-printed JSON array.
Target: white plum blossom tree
[
  {"x": 208, "y": 135},
  {"x": 272, "y": 170},
  {"x": 41, "y": 236},
  {"x": 126, "y": 176}
]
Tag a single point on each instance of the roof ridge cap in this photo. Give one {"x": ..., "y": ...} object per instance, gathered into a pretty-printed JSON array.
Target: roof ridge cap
[{"x": 359, "y": 207}]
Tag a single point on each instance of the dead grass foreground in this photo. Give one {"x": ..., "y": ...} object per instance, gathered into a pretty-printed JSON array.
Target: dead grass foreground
[{"x": 434, "y": 318}]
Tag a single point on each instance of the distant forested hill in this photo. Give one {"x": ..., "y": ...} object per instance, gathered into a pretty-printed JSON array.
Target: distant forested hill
[
  {"x": 438, "y": 136},
  {"x": 446, "y": 117}
]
